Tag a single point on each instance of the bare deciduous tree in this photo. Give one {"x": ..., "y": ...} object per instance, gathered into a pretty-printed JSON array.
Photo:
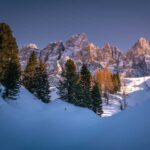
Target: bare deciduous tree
[{"x": 123, "y": 102}]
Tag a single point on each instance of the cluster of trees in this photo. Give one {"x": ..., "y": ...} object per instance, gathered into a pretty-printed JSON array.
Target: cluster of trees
[
  {"x": 79, "y": 88},
  {"x": 84, "y": 90},
  {"x": 107, "y": 81},
  {"x": 34, "y": 78},
  {"x": 10, "y": 70}
]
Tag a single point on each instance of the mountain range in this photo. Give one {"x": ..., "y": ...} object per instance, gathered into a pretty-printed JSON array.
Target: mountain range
[{"x": 133, "y": 63}]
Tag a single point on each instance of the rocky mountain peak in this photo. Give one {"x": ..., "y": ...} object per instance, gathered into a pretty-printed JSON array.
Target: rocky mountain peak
[
  {"x": 53, "y": 44},
  {"x": 141, "y": 47},
  {"x": 31, "y": 46},
  {"x": 138, "y": 57},
  {"x": 91, "y": 45},
  {"x": 142, "y": 41},
  {"x": 107, "y": 52},
  {"x": 52, "y": 51},
  {"x": 107, "y": 46},
  {"x": 76, "y": 42}
]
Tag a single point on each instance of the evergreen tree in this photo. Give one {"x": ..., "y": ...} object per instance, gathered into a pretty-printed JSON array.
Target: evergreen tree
[
  {"x": 85, "y": 83},
  {"x": 42, "y": 84},
  {"x": 67, "y": 85},
  {"x": 29, "y": 73},
  {"x": 11, "y": 80},
  {"x": 78, "y": 91},
  {"x": 116, "y": 82},
  {"x": 9, "y": 67},
  {"x": 119, "y": 81},
  {"x": 96, "y": 99}
]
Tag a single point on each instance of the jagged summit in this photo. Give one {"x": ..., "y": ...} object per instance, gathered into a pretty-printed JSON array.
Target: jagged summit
[
  {"x": 30, "y": 46},
  {"x": 107, "y": 46},
  {"x": 142, "y": 40},
  {"x": 142, "y": 46},
  {"x": 55, "y": 42},
  {"x": 76, "y": 36},
  {"x": 77, "y": 41},
  {"x": 138, "y": 58}
]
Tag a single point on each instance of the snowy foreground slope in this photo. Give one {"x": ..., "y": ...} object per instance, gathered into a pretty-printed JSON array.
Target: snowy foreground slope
[{"x": 28, "y": 124}]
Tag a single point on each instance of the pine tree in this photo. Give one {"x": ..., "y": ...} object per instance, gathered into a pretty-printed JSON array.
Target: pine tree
[
  {"x": 29, "y": 73},
  {"x": 116, "y": 82},
  {"x": 96, "y": 99},
  {"x": 9, "y": 67},
  {"x": 12, "y": 80},
  {"x": 67, "y": 85},
  {"x": 78, "y": 92},
  {"x": 42, "y": 84},
  {"x": 85, "y": 83}
]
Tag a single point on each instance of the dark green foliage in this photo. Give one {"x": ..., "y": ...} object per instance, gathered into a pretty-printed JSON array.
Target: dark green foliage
[
  {"x": 76, "y": 88},
  {"x": 9, "y": 66},
  {"x": 85, "y": 83},
  {"x": 8, "y": 47},
  {"x": 96, "y": 99},
  {"x": 119, "y": 81},
  {"x": 35, "y": 78},
  {"x": 42, "y": 84},
  {"x": 67, "y": 85},
  {"x": 78, "y": 92},
  {"x": 29, "y": 73},
  {"x": 116, "y": 82},
  {"x": 11, "y": 80}
]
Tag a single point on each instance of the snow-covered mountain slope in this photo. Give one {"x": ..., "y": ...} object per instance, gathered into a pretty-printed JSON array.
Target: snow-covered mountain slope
[
  {"x": 28, "y": 124},
  {"x": 132, "y": 87}
]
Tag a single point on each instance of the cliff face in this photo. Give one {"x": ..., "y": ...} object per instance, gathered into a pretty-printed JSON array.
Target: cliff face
[{"x": 138, "y": 58}]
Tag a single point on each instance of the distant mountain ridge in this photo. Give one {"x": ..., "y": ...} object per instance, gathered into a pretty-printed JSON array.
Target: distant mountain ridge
[{"x": 135, "y": 62}]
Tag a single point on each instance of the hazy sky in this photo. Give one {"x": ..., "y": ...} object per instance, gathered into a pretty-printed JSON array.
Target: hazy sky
[{"x": 119, "y": 22}]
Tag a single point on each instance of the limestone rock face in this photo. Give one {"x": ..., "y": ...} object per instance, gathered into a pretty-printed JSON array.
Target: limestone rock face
[
  {"x": 51, "y": 54},
  {"x": 138, "y": 58}
]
